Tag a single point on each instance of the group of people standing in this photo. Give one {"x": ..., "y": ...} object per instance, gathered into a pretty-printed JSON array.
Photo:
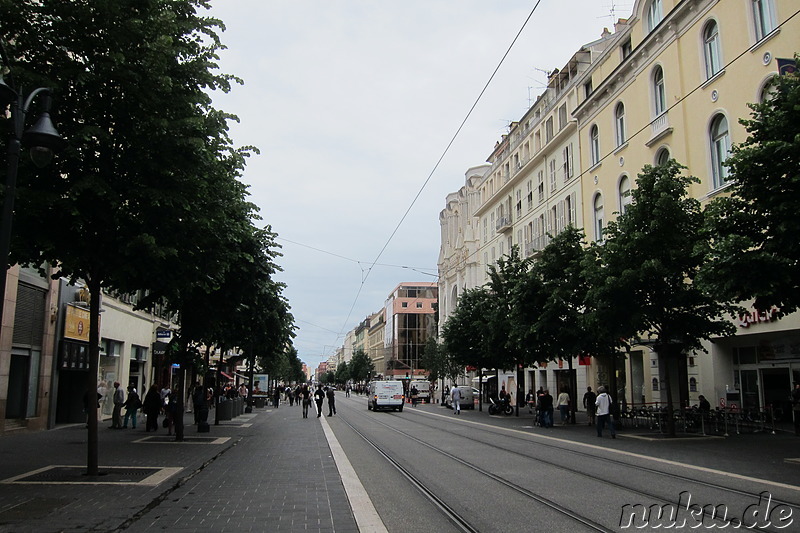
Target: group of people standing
[
  {"x": 154, "y": 404},
  {"x": 301, "y": 395}
]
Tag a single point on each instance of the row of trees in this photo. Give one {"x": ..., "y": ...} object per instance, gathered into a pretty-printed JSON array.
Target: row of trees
[
  {"x": 358, "y": 370},
  {"x": 147, "y": 195},
  {"x": 667, "y": 273}
]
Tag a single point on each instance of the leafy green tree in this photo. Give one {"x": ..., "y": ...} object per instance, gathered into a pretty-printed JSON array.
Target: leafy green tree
[
  {"x": 342, "y": 373},
  {"x": 648, "y": 263},
  {"x": 132, "y": 92},
  {"x": 466, "y": 334},
  {"x": 554, "y": 296},
  {"x": 754, "y": 231},
  {"x": 361, "y": 366}
]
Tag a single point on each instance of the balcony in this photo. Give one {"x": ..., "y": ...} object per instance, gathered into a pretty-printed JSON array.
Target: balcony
[
  {"x": 659, "y": 129},
  {"x": 503, "y": 224}
]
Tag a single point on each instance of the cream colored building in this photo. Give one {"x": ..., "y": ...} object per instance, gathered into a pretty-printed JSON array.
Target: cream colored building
[{"x": 672, "y": 81}]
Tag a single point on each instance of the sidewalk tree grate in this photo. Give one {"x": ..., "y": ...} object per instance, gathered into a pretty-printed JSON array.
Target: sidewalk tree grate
[
  {"x": 108, "y": 475},
  {"x": 168, "y": 439}
]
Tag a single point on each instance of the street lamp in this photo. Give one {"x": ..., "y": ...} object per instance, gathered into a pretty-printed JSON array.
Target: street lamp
[{"x": 42, "y": 139}]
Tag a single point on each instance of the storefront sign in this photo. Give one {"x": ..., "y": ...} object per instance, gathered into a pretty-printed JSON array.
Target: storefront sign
[
  {"x": 76, "y": 324},
  {"x": 759, "y": 317}
]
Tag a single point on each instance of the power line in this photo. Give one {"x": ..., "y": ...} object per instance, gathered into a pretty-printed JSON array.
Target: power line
[{"x": 438, "y": 162}]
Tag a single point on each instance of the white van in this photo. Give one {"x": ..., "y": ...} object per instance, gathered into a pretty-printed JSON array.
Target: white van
[
  {"x": 423, "y": 390},
  {"x": 385, "y": 395},
  {"x": 468, "y": 395}
]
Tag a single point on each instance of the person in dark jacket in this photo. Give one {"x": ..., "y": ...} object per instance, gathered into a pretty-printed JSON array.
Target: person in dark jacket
[
  {"x": 132, "y": 404},
  {"x": 331, "y": 402},
  {"x": 152, "y": 406}
]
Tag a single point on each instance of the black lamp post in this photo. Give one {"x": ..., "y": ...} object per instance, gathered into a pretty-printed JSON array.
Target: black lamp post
[{"x": 42, "y": 139}]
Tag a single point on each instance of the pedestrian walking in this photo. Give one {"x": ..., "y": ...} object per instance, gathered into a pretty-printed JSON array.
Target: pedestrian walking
[
  {"x": 563, "y": 405},
  {"x": 547, "y": 409},
  {"x": 132, "y": 404},
  {"x": 119, "y": 401},
  {"x": 171, "y": 411},
  {"x": 530, "y": 399},
  {"x": 305, "y": 395},
  {"x": 331, "y": 401},
  {"x": 152, "y": 406},
  {"x": 319, "y": 396},
  {"x": 276, "y": 398},
  {"x": 455, "y": 399},
  {"x": 604, "y": 403},
  {"x": 414, "y": 396},
  {"x": 589, "y": 398}
]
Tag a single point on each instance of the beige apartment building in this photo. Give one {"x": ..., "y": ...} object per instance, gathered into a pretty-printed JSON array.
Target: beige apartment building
[{"x": 671, "y": 81}]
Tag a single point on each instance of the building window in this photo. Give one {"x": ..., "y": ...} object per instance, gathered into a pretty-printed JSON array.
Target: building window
[
  {"x": 711, "y": 49},
  {"x": 548, "y": 130},
  {"x": 403, "y": 304},
  {"x": 763, "y": 17},
  {"x": 619, "y": 123},
  {"x": 598, "y": 217},
  {"x": 720, "y": 147},
  {"x": 419, "y": 305},
  {"x": 587, "y": 89},
  {"x": 530, "y": 195},
  {"x": 568, "y": 162},
  {"x": 659, "y": 95},
  {"x": 540, "y": 185},
  {"x": 562, "y": 117},
  {"x": 552, "y": 175},
  {"x": 654, "y": 14},
  {"x": 662, "y": 157},
  {"x": 625, "y": 198},
  {"x": 594, "y": 144},
  {"x": 626, "y": 48}
]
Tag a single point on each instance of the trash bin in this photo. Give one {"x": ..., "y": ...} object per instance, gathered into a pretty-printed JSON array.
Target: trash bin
[
  {"x": 261, "y": 401},
  {"x": 225, "y": 410}
]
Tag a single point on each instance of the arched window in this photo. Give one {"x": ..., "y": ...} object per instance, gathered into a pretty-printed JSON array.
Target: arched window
[
  {"x": 619, "y": 123},
  {"x": 654, "y": 14},
  {"x": 598, "y": 217},
  {"x": 720, "y": 139},
  {"x": 763, "y": 17},
  {"x": 711, "y": 49},
  {"x": 662, "y": 156},
  {"x": 659, "y": 94},
  {"x": 625, "y": 198},
  {"x": 594, "y": 144}
]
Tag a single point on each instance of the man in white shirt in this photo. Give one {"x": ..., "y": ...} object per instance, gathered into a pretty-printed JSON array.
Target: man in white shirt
[
  {"x": 603, "y": 414},
  {"x": 455, "y": 399}
]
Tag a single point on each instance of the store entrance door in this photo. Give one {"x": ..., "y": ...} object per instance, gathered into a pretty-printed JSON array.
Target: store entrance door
[{"x": 776, "y": 385}]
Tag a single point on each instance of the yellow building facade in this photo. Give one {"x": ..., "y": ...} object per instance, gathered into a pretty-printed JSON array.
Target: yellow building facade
[{"x": 671, "y": 81}]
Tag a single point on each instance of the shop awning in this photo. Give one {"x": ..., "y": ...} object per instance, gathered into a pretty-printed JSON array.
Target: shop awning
[
  {"x": 226, "y": 375},
  {"x": 485, "y": 378}
]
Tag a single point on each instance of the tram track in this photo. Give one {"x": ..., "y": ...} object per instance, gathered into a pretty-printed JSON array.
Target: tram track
[
  {"x": 458, "y": 520},
  {"x": 586, "y": 521},
  {"x": 640, "y": 468}
]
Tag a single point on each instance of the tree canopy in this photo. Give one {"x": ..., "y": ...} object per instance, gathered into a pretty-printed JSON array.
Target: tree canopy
[{"x": 755, "y": 250}]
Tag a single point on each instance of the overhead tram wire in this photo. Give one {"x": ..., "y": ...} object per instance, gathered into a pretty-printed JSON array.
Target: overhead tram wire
[{"x": 439, "y": 161}]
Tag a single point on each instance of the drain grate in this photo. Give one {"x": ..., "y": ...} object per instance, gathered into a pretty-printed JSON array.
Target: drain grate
[{"x": 108, "y": 475}]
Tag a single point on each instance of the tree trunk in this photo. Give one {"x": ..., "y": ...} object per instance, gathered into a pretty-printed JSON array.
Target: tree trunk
[
  {"x": 668, "y": 351},
  {"x": 92, "y": 462},
  {"x": 573, "y": 393}
]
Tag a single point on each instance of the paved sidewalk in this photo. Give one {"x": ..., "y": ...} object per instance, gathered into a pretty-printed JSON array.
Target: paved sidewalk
[{"x": 270, "y": 470}]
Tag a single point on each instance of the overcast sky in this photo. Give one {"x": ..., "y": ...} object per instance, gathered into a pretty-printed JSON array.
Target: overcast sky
[{"x": 352, "y": 103}]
